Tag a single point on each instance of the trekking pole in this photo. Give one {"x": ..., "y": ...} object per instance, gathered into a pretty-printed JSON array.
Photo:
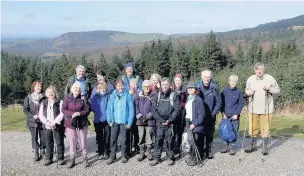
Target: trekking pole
[
  {"x": 197, "y": 153},
  {"x": 35, "y": 144},
  {"x": 247, "y": 120},
  {"x": 55, "y": 147},
  {"x": 267, "y": 112}
]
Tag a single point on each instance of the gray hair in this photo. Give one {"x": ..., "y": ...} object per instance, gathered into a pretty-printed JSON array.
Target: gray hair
[
  {"x": 165, "y": 79},
  {"x": 204, "y": 72},
  {"x": 156, "y": 75},
  {"x": 80, "y": 67},
  {"x": 134, "y": 81},
  {"x": 51, "y": 87},
  {"x": 258, "y": 65},
  {"x": 77, "y": 83},
  {"x": 233, "y": 78}
]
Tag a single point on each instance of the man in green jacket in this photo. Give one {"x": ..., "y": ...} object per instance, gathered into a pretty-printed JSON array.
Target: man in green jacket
[{"x": 261, "y": 88}]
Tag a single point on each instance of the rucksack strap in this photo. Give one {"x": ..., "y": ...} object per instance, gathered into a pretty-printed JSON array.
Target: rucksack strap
[{"x": 170, "y": 98}]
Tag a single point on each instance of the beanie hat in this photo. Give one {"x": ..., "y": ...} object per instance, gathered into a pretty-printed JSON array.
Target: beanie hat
[{"x": 129, "y": 64}]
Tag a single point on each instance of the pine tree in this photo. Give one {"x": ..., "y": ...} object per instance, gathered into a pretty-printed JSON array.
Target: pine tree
[
  {"x": 127, "y": 56},
  {"x": 240, "y": 55},
  {"x": 180, "y": 62}
]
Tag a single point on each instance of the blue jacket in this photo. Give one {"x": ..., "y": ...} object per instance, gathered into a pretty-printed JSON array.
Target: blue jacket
[
  {"x": 198, "y": 114},
  {"x": 110, "y": 89},
  {"x": 211, "y": 98},
  {"x": 120, "y": 110},
  {"x": 99, "y": 106},
  {"x": 127, "y": 82},
  {"x": 232, "y": 101}
]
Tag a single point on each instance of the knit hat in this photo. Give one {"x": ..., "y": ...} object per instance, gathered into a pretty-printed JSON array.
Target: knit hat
[
  {"x": 178, "y": 75},
  {"x": 191, "y": 85},
  {"x": 146, "y": 83},
  {"x": 129, "y": 64}
]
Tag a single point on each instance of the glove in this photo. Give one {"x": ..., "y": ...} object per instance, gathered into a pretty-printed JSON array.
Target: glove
[
  {"x": 144, "y": 118},
  {"x": 149, "y": 115},
  {"x": 35, "y": 117}
]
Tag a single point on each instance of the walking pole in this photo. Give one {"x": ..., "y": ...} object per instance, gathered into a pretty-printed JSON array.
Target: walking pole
[
  {"x": 267, "y": 100},
  {"x": 197, "y": 154},
  {"x": 247, "y": 120},
  {"x": 35, "y": 144},
  {"x": 55, "y": 148}
]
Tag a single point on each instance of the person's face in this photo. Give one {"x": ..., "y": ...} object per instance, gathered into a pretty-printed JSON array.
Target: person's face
[
  {"x": 154, "y": 81},
  {"x": 232, "y": 84},
  {"x": 120, "y": 87},
  {"x": 206, "y": 78},
  {"x": 51, "y": 94},
  {"x": 129, "y": 71},
  {"x": 178, "y": 82},
  {"x": 146, "y": 89},
  {"x": 80, "y": 73},
  {"x": 76, "y": 90},
  {"x": 100, "y": 78},
  {"x": 191, "y": 91},
  {"x": 133, "y": 86},
  {"x": 259, "y": 72},
  {"x": 38, "y": 88},
  {"x": 165, "y": 86}
]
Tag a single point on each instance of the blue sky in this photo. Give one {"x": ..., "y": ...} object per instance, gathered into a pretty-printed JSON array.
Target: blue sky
[{"x": 45, "y": 19}]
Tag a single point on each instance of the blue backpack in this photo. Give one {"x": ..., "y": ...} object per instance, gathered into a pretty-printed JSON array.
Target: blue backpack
[{"x": 227, "y": 131}]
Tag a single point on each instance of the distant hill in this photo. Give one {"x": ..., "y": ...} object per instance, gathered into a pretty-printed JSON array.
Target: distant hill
[{"x": 111, "y": 42}]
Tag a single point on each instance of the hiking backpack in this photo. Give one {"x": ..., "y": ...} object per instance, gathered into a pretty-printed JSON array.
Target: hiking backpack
[
  {"x": 227, "y": 131},
  {"x": 171, "y": 98}
]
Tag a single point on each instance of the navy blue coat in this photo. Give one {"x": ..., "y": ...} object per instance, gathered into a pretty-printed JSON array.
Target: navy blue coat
[
  {"x": 198, "y": 114},
  {"x": 232, "y": 101},
  {"x": 211, "y": 98}
]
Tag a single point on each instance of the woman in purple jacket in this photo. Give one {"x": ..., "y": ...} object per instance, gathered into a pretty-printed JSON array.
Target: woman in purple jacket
[
  {"x": 145, "y": 121},
  {"x": 195, "y": 114},
  {"x": 232, "y": 104},
  {"x": 76, "y": 110}
]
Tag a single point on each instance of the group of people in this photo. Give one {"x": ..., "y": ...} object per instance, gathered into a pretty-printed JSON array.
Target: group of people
[{"x": 147, "y": 115}]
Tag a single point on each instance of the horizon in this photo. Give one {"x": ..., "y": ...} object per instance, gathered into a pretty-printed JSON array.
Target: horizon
[{"x": 27, "y": 19}]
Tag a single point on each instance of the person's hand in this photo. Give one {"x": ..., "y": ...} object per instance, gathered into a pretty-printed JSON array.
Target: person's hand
[
  {"x": 75, "y": 114},
  {"x": 224, "y": 116},
  {"x": 266, "y": 87},
  {"x": 251, "y": 92},
  {"x": 127, "y": 127},
  {"x": 35, "y": 117},
  {"x": 165, "y": 123},
  {"x": 235, "y": 117},
  {"x": 111, "y": 124},
  {"x": 192, "y": 126},
  {"x": 48, "y": 123},
  {"x": 53, "y": 123}
]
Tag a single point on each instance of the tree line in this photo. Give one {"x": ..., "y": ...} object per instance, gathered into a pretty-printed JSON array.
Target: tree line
[{"x": 284, "y": 61}]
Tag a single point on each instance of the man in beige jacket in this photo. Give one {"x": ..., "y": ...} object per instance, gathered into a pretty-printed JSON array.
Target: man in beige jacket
[{"x": 260, "y": 87}]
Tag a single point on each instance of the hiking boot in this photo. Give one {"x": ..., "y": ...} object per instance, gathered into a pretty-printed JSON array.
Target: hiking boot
[
  {"x": 170, "y": 162},
  {"x": 42, "y": 153},
  {"x": 48, "y": 162},
  {"x": 232, "y": 150},
  {"x": 224, "y": 148},
  {"x": 61, "y": 161},
  {"x": 252, "y": 146},
  {"x": 141, "y": 156},
  {"x": 265, "y": 150},
  {"x": 100, "y": 157},
  {"x": 71, "y": 163},
  {"x": 192, "y": 162},
  {"x": 36, "y": 155},
  {"x": 149, "y": 153},
  {"x": 124, "y": 160},
  {"x": 154, "y": 162},
  {"x": 97, "y": 151},
  {"x": 110, "y": 161},
  {"x": 208, "y": 154},
  {"x": 105, "y": 156},
  {"x": 85, "y": 163}
]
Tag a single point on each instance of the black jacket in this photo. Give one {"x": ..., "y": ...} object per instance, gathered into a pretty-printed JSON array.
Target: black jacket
[{"x": 30, "y": 109}]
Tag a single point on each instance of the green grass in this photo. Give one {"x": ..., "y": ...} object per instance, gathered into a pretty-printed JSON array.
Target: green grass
[{"x": 13, "y": 119}]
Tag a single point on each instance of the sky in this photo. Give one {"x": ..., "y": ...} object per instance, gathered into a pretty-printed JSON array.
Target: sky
[{"x": 50, "y": 19}]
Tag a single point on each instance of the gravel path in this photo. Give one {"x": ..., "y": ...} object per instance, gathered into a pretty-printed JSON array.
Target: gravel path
[{"x": 286, "y": 158}]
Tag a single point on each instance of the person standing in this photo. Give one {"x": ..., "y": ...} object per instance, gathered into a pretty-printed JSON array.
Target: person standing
[
  {"x": 166, "y": 107},
  {"x": 51, "y": 117},
  {"x": 260, "y": 87},
  {"x": 31, "y": 110},
  {"x": 232, "y": 104},
  {"x": 212, "y": 102}
]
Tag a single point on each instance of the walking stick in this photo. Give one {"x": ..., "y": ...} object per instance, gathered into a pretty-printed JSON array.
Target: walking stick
[
  {"x": 197, "y": 153},
  {"x": 35, "y": 144},
  {"x": 55, "y": 148}
]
